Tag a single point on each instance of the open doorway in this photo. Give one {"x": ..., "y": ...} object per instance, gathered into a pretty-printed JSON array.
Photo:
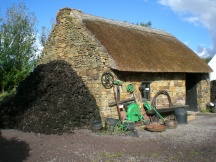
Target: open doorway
[{"x": 191, "y": 91}]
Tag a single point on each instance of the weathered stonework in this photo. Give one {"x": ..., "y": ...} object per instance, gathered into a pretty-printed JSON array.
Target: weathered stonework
[
  {"x": 71, "y": 41},
  {"x": 175, "y": 88},
  {"x": 203, "y": 92}
]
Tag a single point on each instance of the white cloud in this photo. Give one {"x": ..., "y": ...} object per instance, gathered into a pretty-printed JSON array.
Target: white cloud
[
  {"x": 192, "y": 19},
  {"x": 187, "y": 43},
  {"x": 202, "y": 52},
  {"x": 198, "y": 12}
]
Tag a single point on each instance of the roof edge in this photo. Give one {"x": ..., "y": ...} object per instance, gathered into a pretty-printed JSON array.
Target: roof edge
[{"x": 83, "y": 16}]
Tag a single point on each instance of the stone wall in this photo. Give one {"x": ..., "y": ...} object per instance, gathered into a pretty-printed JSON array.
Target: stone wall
[
  {"x": 71, "y": 41},
  {"x": 203, "y": 91},
  {"x": 174, "y": 84}
]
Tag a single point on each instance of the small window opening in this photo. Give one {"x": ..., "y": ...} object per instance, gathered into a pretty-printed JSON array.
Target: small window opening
[{"x": 145, "y": 90}]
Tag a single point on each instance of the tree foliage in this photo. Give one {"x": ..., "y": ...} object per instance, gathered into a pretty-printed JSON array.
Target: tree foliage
[
  {"x": 45, "y": 32},
  {"x": 17, "y": 46},
  {"x": 207, "y": 59},
  {"x": 148, "y": 24},
  {"x": 44, "y": 35}
]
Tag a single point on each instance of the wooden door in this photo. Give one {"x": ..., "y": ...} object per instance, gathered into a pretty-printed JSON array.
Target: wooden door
[{"x": 191, "y": 91}]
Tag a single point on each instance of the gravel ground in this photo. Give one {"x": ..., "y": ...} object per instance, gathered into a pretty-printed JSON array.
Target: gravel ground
[{"x": 194, "y": 141}]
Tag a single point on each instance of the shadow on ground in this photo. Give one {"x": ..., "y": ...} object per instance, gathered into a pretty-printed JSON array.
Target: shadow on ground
[{"x": 13, "y": 150}]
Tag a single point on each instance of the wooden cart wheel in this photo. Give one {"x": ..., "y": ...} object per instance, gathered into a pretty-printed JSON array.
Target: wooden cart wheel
[{"x": 107, "y": 80}]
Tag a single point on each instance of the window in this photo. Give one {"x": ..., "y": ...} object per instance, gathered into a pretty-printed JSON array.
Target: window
[{"x": 145, "y": 90}]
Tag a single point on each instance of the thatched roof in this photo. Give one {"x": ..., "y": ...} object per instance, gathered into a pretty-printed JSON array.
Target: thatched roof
[{"x": 141, "y": 49}]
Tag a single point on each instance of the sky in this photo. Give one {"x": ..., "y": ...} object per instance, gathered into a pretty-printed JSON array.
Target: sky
[{"x": 193, "y": 22}]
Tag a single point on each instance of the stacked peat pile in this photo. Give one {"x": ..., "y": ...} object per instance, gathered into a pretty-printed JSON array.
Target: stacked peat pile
[
  {"x": 53, "y": 99},
  {"x": 213, "y": 91}
]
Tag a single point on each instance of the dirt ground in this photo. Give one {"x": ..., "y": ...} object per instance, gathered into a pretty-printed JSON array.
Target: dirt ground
[{"x": 195, "y": 141}]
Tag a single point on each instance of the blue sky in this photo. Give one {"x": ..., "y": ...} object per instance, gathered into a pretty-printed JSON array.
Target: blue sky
[{"x": 191, "y": 21}]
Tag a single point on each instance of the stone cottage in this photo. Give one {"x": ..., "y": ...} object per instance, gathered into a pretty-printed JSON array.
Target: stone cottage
[{"x": 149, "y": 59}]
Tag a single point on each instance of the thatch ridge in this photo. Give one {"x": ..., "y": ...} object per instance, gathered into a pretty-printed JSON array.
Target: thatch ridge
[
  {"x": 141, "y": 49},
  {"x": 89, "y": 17}
]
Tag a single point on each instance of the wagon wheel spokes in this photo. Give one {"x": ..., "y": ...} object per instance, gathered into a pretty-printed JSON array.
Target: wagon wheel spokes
[
  {"x": 121, "y": 126},
  {"x": 107, "y": 80}
]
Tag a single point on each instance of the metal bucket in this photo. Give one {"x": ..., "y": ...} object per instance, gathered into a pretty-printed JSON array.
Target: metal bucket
[
  {"x": 96, "y": 125},
  {"x": 111, "y": 121},
  {"x": 181, "y": 115}
]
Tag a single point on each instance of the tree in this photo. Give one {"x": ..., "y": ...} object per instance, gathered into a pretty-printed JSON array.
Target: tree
[
  {"x": 45, "y": 32},
  {"x": 148, "y": 24},
  {"x": 17, "y": 46},
  {"x": 207, "y": 59},
  {"x": 44, "y": 35}
]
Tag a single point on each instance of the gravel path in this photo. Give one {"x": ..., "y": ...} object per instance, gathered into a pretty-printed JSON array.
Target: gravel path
[{"x": 194, "y": 141}]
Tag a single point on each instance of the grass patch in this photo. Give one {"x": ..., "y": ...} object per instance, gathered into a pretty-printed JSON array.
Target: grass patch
[
  {"x": 194, "y": 153},
  {"x": 112, "y": 156},
  {"x": 207, "y": 110},
  {"x": 154, "y": 154},
  {"x": 103, "y": 132},
  {"x": 180, "y": 153}
]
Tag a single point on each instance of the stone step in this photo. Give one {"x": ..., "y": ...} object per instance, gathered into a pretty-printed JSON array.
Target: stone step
[{"x": 191, "y": 115}]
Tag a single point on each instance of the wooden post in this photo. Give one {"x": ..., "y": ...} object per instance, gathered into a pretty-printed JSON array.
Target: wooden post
[{"x": 117, "y": 103}]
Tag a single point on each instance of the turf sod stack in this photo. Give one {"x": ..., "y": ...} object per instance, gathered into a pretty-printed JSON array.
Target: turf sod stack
[{"x": 52, "y": 99}]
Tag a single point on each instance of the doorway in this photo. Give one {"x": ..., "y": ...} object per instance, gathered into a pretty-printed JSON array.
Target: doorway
[{"x": 191, "y": 91}]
